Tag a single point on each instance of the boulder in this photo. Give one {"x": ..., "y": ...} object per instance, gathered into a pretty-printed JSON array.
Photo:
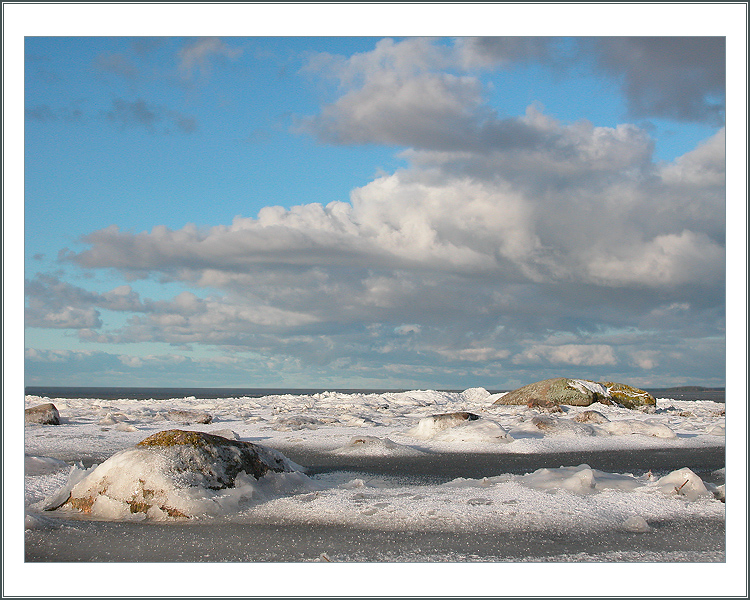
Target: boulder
[
  {"x": 577, "y": 392},
  {"x": 173, "y": 473},
  {"x": 44, "y": 414}
]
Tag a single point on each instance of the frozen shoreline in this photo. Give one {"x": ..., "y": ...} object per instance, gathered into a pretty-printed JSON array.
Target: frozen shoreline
[{"x": 381, "y": 468}]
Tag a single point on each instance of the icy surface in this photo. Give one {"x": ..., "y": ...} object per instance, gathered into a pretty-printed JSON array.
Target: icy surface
[
  {"x": 404, "y": 424},
  {"x": 456, "y": 519}
]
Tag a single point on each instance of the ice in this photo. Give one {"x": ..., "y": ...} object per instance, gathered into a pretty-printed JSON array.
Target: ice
[{"x": 391, "y": 431}]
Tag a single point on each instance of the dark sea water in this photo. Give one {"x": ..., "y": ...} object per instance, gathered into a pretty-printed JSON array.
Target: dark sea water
[{"x": 162, "y": 393}]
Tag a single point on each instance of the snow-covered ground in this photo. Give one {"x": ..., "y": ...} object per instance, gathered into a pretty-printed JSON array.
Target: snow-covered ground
[{"x": 575, "y": 499}]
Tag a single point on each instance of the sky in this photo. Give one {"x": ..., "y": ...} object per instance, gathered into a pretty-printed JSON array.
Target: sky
[{"x": 408, "y": 211}]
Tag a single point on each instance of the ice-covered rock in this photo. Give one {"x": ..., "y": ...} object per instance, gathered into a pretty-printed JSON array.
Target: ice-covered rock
[
  {"x": 178, "y": 473},
  {"x": 43, "y": 414},
  {"x": 632, "y": 426},
  {"x": 590, "y": 416},
  {"x": 552, "y": 425},
  {"x": 578, "y": 392},
  {"x": 189, "y": 416},
  {"x": 428, "y": 427},
  {"x": 482, "y": 430}
]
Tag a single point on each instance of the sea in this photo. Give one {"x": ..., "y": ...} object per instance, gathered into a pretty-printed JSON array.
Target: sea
[{"x": 162, "y": 393}]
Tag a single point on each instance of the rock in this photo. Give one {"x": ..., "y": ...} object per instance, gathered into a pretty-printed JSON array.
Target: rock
[
  {"x": 629, "y": 396},
  {"x": 590, "y": 416},
  {"x": 44, "y": 414},
  {"x": 577, "y": 392},
  {"x": 173, "y": 473},
  {"x": 189, "y": 416},
  {"x": 429, "y": 426},
  {"x": 544, "y": 406}
]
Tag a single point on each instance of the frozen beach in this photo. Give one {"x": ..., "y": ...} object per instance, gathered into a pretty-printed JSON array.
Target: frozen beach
[{"x": 381, "y": 479}]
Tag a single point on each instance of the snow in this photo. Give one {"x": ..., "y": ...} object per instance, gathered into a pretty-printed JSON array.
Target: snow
[{"x": 96, "y": 444}]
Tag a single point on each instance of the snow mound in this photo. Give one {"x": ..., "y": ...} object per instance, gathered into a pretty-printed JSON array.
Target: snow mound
[
  {"x": 180, "y": 474},
  {"x": 374, "y": 446}
]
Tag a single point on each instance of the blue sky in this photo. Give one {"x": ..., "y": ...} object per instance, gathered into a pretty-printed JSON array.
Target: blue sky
[{"x": 387, "y": 212}]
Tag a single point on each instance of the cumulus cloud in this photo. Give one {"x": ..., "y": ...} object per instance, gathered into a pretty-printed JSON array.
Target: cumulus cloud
[{"x": 477, "y": 266}]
